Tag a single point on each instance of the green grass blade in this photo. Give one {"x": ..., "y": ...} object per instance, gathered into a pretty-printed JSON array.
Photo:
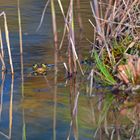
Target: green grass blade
[{"x": 101, "y": 66}]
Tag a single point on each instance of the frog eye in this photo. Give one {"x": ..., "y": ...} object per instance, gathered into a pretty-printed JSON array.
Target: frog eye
[
  {"x": 44, "y": 65},
  {"x": 35, "y": 66}
]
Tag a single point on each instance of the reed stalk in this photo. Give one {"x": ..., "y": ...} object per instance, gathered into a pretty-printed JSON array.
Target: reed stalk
[
  {"x": 1, "y": 43},
  {"x": 21, "y": 48},
  {"x": 54, "y": 21},
  {"x": 7, "y": 40},
  {"x": 56, "y": 61},
  {"x": 3, "y": 63},
  {"x": 2, "y": 53},
  {"x": 20, "y": 28},
  {"x": 72, "y": 35},
  {"x": 69, "y": 27},
  {"x": 22, "y": 67},
  {"x": 66, "y": 28}
]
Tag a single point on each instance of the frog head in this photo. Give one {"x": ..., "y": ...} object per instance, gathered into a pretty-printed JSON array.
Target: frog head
[{"x": 39, "y": 69}]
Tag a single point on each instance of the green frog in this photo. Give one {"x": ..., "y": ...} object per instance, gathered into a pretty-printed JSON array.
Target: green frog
[{"x": 39, "y": 69}]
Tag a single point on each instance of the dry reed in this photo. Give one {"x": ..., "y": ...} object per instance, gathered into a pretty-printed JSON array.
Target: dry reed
[
  {"x": 69, "y": 27},
  {"x": 7, "y": 40},
  {"x": 2, "y": 53}
]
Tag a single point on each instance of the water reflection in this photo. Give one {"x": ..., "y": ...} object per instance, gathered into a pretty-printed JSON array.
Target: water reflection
[
  {"x": 74, "y": 95},
  {"x": 10, "y": 108}
]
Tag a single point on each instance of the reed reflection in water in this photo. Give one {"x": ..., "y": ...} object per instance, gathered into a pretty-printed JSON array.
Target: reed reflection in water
[{"x": 8, "y": 136}]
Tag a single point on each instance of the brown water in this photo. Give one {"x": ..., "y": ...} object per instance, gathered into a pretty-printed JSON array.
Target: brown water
[{"x": 50, "y": 108}]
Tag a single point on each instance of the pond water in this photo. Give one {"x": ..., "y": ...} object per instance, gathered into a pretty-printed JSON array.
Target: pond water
[{"x": 50, "y": 107}]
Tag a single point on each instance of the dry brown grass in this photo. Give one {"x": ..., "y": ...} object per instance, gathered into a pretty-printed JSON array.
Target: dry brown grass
[{"x": 130, "y": 72}]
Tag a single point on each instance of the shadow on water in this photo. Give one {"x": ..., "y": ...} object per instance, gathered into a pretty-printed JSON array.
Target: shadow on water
[{"x": 54, "y": 107}]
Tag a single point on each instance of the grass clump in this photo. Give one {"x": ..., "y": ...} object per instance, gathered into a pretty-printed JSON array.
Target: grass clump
[{"x": 105, "y": 72}]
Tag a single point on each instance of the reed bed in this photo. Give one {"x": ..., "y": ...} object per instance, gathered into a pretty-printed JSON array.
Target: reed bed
[
  {"x": 73, "y": 59},
  {"x": 116, "y": 29},
  {"x": 114, "y": 22}
]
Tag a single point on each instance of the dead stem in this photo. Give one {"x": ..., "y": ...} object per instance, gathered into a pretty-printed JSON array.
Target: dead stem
[
  {"x": 1, "y": 42},
  {"x": 7, "y": 40}
]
